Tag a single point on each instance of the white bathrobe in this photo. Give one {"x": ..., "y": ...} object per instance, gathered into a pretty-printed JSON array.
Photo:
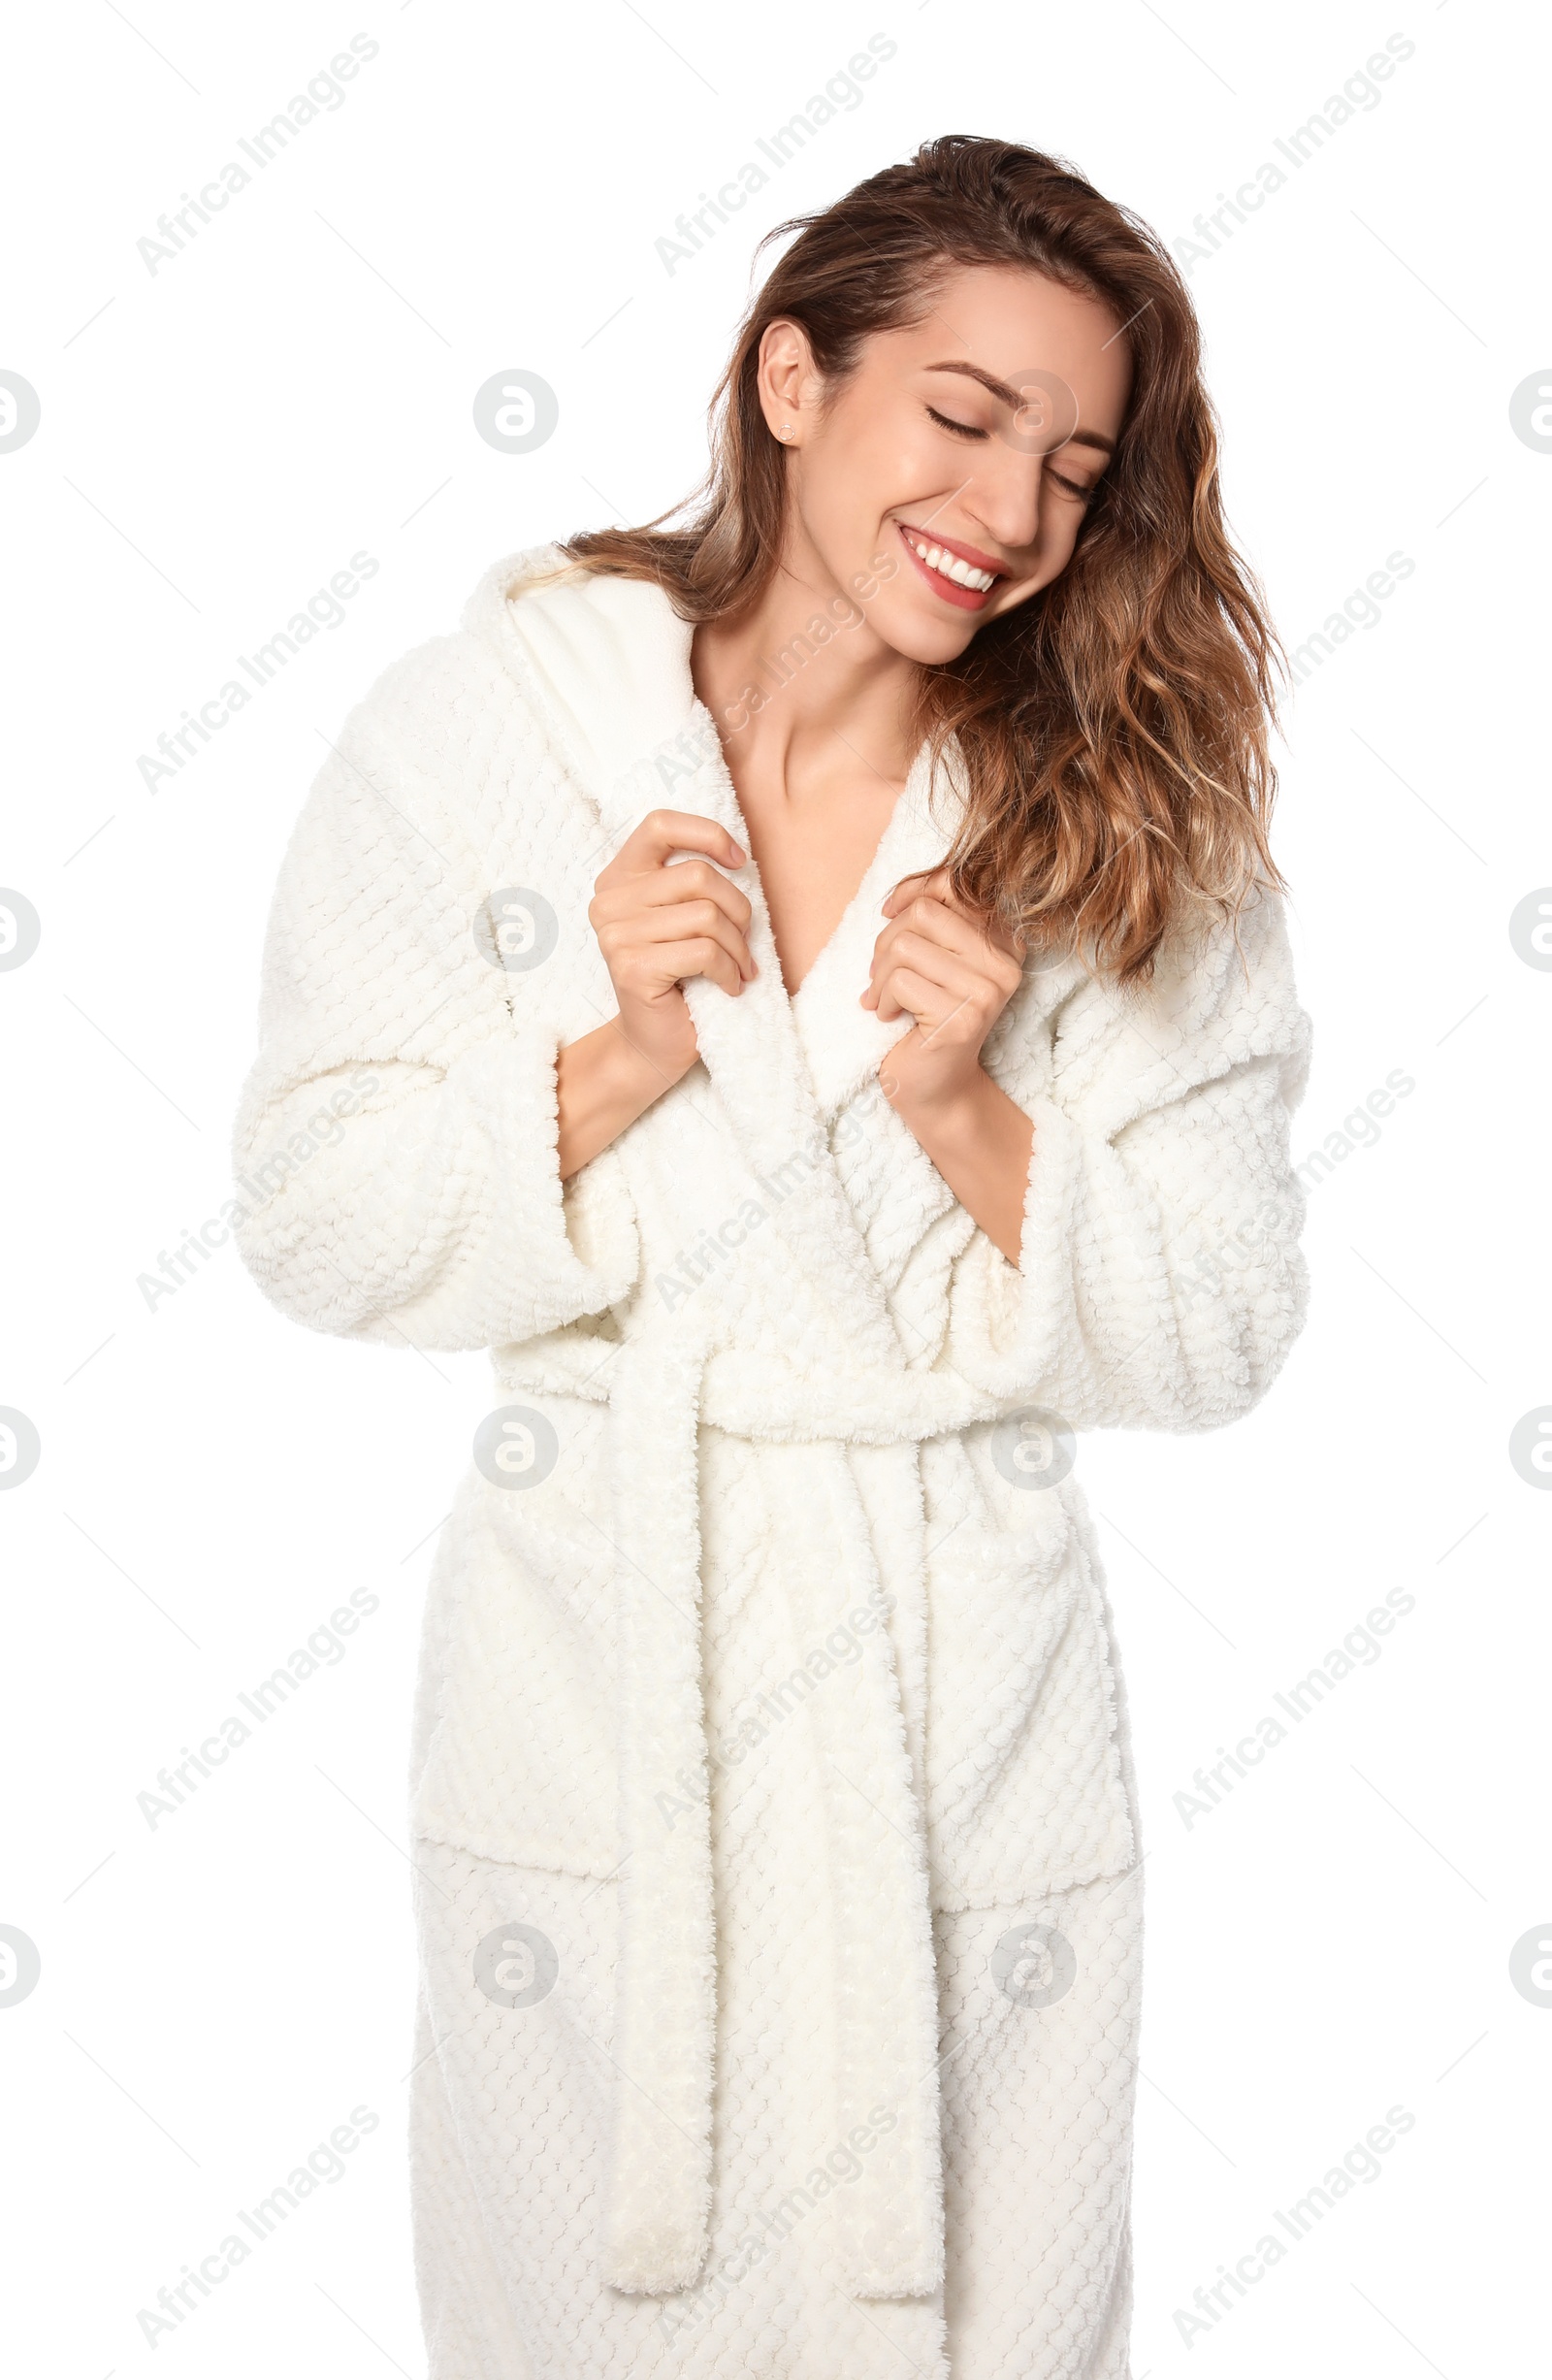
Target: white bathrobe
[{"x": 771, "y": 1792}]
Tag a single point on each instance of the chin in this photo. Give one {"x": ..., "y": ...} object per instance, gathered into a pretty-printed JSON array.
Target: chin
[{"x": 926, "y": 642}]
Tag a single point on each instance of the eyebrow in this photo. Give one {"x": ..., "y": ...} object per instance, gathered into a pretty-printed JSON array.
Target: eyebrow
[{"x": 1014, "y": 396}]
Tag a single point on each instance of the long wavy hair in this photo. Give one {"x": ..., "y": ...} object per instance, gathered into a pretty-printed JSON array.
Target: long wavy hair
[{"x": 1113, "y": 728}]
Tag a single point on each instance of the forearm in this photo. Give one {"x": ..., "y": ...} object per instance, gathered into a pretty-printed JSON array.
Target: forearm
[
  {"x": 981, "y": 1141},
  {"x": 602, "y": 1084}
]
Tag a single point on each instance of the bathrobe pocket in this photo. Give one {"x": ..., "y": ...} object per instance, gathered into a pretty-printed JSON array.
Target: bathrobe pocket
[
  {"x": 517, "y": 1759},
  {"x": 1027, "y": 1790}
]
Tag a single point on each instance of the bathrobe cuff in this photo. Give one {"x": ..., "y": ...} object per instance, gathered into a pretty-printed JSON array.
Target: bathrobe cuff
[
  {"x": 1159, "y": 1282},
  {"x": 434, "y": 1210}
]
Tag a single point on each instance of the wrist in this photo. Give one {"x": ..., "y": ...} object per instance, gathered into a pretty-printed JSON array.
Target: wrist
[
  {"x": 644, "y": 1063},
  {"x": 602, "y": 1084},
  {"x": 951, "y": 1109}
]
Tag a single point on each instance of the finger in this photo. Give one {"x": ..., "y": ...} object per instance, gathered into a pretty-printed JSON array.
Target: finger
[
  {"x": 947, "y": 930},
  {"x": 702, "y": 954},
  {"x": 651, "y": 928},
  {"x": 905, "y": 992},
  {"x": 934, "y": 890},
  {"x": 660, "y": 832},
  {"x": 700, "y": 891},
  {"x": 954, "y": 977},
  {"x": 963, "y": 962},
  {"x": 685, "y": 880}
]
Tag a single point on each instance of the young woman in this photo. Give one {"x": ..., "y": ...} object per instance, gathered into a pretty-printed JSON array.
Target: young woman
[{"x": 807, "y": 990}]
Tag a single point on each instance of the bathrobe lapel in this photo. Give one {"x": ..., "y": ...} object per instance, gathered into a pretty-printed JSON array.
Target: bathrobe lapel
[{"x": 842, "y": 1041}]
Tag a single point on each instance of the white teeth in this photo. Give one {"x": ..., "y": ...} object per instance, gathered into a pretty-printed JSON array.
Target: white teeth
[{"x": 937, "y": 558}]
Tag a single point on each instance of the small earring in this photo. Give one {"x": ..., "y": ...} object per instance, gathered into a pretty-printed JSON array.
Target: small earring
[{"x": 786, "y": 429}]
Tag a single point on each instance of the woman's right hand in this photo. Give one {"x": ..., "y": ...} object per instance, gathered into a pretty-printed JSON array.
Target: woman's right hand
[{"x": 658, "y": 924}]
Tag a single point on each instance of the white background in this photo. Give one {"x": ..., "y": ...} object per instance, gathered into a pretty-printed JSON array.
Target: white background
[{"x": 216, "y": 440}]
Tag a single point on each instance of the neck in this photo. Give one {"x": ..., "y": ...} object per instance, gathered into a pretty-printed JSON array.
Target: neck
[{"x": 799, "y": 669}]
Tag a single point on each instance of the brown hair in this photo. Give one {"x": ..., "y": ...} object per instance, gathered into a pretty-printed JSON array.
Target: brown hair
[{"x": 1114, "y": 728}]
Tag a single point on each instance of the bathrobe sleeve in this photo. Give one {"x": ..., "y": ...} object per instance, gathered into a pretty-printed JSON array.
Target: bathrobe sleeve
[
  {"x": 1160, "y": 1282},
  {"x": 395, "y": 1146}
]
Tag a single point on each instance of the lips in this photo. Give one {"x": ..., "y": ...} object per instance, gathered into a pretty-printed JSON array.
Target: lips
[{"x": 950, "y": 589}]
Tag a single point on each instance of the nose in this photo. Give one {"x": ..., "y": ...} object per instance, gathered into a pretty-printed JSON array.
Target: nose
[{"x": 1006, "y": 498}]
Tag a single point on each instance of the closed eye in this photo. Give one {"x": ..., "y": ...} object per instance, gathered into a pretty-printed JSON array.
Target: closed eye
[
  {"x": 972, "y": 430},
  {"x": 964, "y": 429}
]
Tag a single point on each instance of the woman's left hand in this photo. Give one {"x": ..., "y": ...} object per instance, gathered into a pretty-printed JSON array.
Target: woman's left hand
[{"x": 954, "y": 975}]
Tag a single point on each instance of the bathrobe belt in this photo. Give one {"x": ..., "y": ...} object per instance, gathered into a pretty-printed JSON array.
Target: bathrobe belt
[{"x": 889, "y": 2220}]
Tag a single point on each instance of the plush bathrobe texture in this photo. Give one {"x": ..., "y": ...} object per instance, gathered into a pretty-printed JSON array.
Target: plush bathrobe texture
[{"x": 778, "y": 1885}]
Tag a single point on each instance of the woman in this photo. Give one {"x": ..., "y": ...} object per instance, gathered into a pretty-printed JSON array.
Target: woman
[{"x": 806, "y": 990}]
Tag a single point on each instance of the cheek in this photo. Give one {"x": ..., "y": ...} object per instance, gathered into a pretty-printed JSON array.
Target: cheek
[{"x": 1061, "y": 521}]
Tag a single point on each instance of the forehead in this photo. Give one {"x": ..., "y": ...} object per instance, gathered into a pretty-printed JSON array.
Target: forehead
[{"x": 1005, "y": 320}]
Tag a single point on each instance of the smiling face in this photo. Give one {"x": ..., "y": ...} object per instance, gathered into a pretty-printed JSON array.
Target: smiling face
[{"x": 964, "y": 450}]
